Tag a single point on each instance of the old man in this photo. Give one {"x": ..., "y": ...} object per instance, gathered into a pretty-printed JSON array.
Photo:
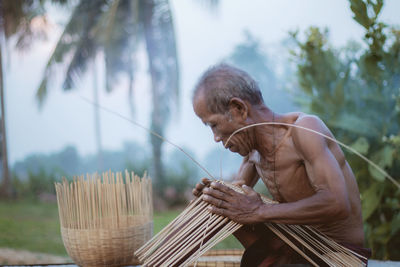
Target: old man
[{"x": 306, "y": 173}]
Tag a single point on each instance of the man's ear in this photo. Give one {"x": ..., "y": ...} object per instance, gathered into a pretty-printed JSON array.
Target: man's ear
[{"x": 237, "y": 107}]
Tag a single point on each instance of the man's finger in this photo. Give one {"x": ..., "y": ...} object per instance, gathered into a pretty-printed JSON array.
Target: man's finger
[
  {"x": 248, "y": 190},
  {"x": 219, "y": 211},
  {"x": 199, "y": 187},
  {"x": 216, "y": 193},
  {"x": 215, "y": 201},
  {"x": 205, "y": 181},
  {"x": 195, "y": 192},
  {"x": 222, "y": 188},
  {"x": 238, "y": 182}
]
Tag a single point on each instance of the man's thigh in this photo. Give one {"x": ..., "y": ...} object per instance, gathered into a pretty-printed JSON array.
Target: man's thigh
[{"x": 269, "y": 250}]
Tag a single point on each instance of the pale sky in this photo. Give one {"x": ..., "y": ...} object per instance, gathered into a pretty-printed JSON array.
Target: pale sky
[{"x": 204, "y": 37}]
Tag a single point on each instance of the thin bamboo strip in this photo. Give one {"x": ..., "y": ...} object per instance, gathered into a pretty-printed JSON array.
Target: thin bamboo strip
[
  {"x": 320, "y": 242},
  {"x": 336, "y": 246},
  {"x": 171, "y": 241},
  {"x": 224, "y": 233},
  {"x": 175, "y": 225},
  {"x": 291, "y": 244},
  {"x": 196, "y": 239},
  {"x": 172, "y": 229},
  {"x": 156, "y": 240},
  {"x": 300, "y": 240}
]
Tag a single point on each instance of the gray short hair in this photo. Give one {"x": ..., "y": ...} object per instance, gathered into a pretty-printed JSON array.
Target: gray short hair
[{"x": 222, "y": 82}]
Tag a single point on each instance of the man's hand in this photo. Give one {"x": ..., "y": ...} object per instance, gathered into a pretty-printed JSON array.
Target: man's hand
[
  {"x": 200, "y": 186},
  {"x": 239, "y": 182},
  {"x": 241, "y": 208}
]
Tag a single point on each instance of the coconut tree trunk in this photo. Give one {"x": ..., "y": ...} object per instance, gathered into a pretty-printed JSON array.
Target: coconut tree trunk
[
  {"x": 161, "y": 51},
  {"x": 97, "y": 125},
  {"x": 6, "y": 189},
  {"x": 130, "y": 89}
]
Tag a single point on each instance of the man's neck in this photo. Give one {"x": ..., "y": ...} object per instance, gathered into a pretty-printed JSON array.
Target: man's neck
[{"x": 264, "y": 134}]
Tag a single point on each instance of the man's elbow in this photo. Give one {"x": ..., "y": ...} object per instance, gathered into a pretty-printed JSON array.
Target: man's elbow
[{"x": 341, "y": 209}]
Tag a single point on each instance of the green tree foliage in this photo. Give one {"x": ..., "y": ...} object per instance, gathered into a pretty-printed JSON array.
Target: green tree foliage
[{"x": 355, "y": 90}]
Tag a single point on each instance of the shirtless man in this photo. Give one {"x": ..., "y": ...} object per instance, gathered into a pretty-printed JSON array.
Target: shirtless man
[{"x": 306, "y": 173}]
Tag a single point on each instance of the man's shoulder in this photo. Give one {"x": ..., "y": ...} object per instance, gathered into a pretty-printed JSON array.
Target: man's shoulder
[
  {"x": 306, "y": 130},
  {"x": 304, "y": 118},
  {"x": 307, "y": 123}
]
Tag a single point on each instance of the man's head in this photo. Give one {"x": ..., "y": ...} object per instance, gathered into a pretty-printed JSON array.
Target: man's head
[
  {"x": 223, "y": 99},
  {"x": 223, "y": 82}
]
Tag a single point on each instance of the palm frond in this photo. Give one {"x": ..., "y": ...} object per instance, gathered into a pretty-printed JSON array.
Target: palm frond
[
  {"x": 161, "y": 48},
  {"x": 72, "y": 47},
  {"x": 41, "y": 93},
  {"x": 120, "y": 40},
  {"x": 87, "y": 45},
  {"x": 64, "y": 45},
  {"x": 18, "y": 18}
]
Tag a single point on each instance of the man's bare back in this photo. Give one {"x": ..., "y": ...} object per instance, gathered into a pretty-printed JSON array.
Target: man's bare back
[{"x": 290, "y": 181}]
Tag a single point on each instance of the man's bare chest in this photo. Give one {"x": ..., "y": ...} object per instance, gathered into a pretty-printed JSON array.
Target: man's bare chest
[{"x": 284, "y": 174}]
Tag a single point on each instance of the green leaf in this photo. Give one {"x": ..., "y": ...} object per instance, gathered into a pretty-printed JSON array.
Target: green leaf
[
  {"x": 387, "y": 156},
  {"x": 383, "y": 158},
  {"x": 359, "y": 9},
  {"x": 382, "y": 233},
  {"x": 377, "y": 175},
  {"x": 395, "y": 224},
  {"x": 370, "y": 200},
  {"x": 377, "y": 7},
  {"x": 42, "y": 92},
  {"x": 361, "y": 145},
  {"x": 355, "y": 124}
]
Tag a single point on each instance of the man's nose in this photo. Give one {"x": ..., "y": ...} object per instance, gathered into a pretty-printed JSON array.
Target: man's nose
[{"x": 217, "y": 138}]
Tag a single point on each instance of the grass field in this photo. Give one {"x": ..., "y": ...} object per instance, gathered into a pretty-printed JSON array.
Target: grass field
[{"x": 35, "y": 227}]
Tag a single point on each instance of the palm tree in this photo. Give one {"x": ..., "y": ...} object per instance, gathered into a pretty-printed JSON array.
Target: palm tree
[
  {"x": 161, "y": 51},
  {"x": 16, "y": 19},
  {"x": 113, "y": 28},
  {"x": 5, "y": 189}
]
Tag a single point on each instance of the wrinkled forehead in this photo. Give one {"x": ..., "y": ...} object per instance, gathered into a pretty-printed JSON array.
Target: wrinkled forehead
[{"x": 200, "y": 105}]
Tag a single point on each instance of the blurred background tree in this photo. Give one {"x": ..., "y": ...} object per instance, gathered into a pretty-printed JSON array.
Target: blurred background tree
[
  {"x": 113, "y": 29},
  {"x": 355, "y": 90},
  {"x": 25, "y": 21}
]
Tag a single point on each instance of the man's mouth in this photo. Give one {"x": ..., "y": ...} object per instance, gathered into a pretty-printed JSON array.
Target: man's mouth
[{"x": 230, "y": 147}]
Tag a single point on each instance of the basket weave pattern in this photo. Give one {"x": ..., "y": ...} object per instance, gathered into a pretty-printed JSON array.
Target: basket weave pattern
[
  {"x": 105, "y": 247},
  {"x": 104, "y": 221}
]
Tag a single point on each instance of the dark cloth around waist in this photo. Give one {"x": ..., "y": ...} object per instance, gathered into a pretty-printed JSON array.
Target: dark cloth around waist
[{"x": 262, "y": 253}]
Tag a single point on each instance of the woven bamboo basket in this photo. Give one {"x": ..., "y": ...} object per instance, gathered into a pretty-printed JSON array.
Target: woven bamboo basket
[
  {"x": 105, "y": 219},
  {"x": 220, "y": 258}
]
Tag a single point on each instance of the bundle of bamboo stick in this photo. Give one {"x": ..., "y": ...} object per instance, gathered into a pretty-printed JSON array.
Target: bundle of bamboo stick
[
  {"x": 105, "y": 219},
  {"x": 196, "y": 230}
]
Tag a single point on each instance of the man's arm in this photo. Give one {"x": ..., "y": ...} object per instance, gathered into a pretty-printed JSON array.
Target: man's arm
[
  {"x": 330, "y": 202},
  {"x": 247, "y": 174}
]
